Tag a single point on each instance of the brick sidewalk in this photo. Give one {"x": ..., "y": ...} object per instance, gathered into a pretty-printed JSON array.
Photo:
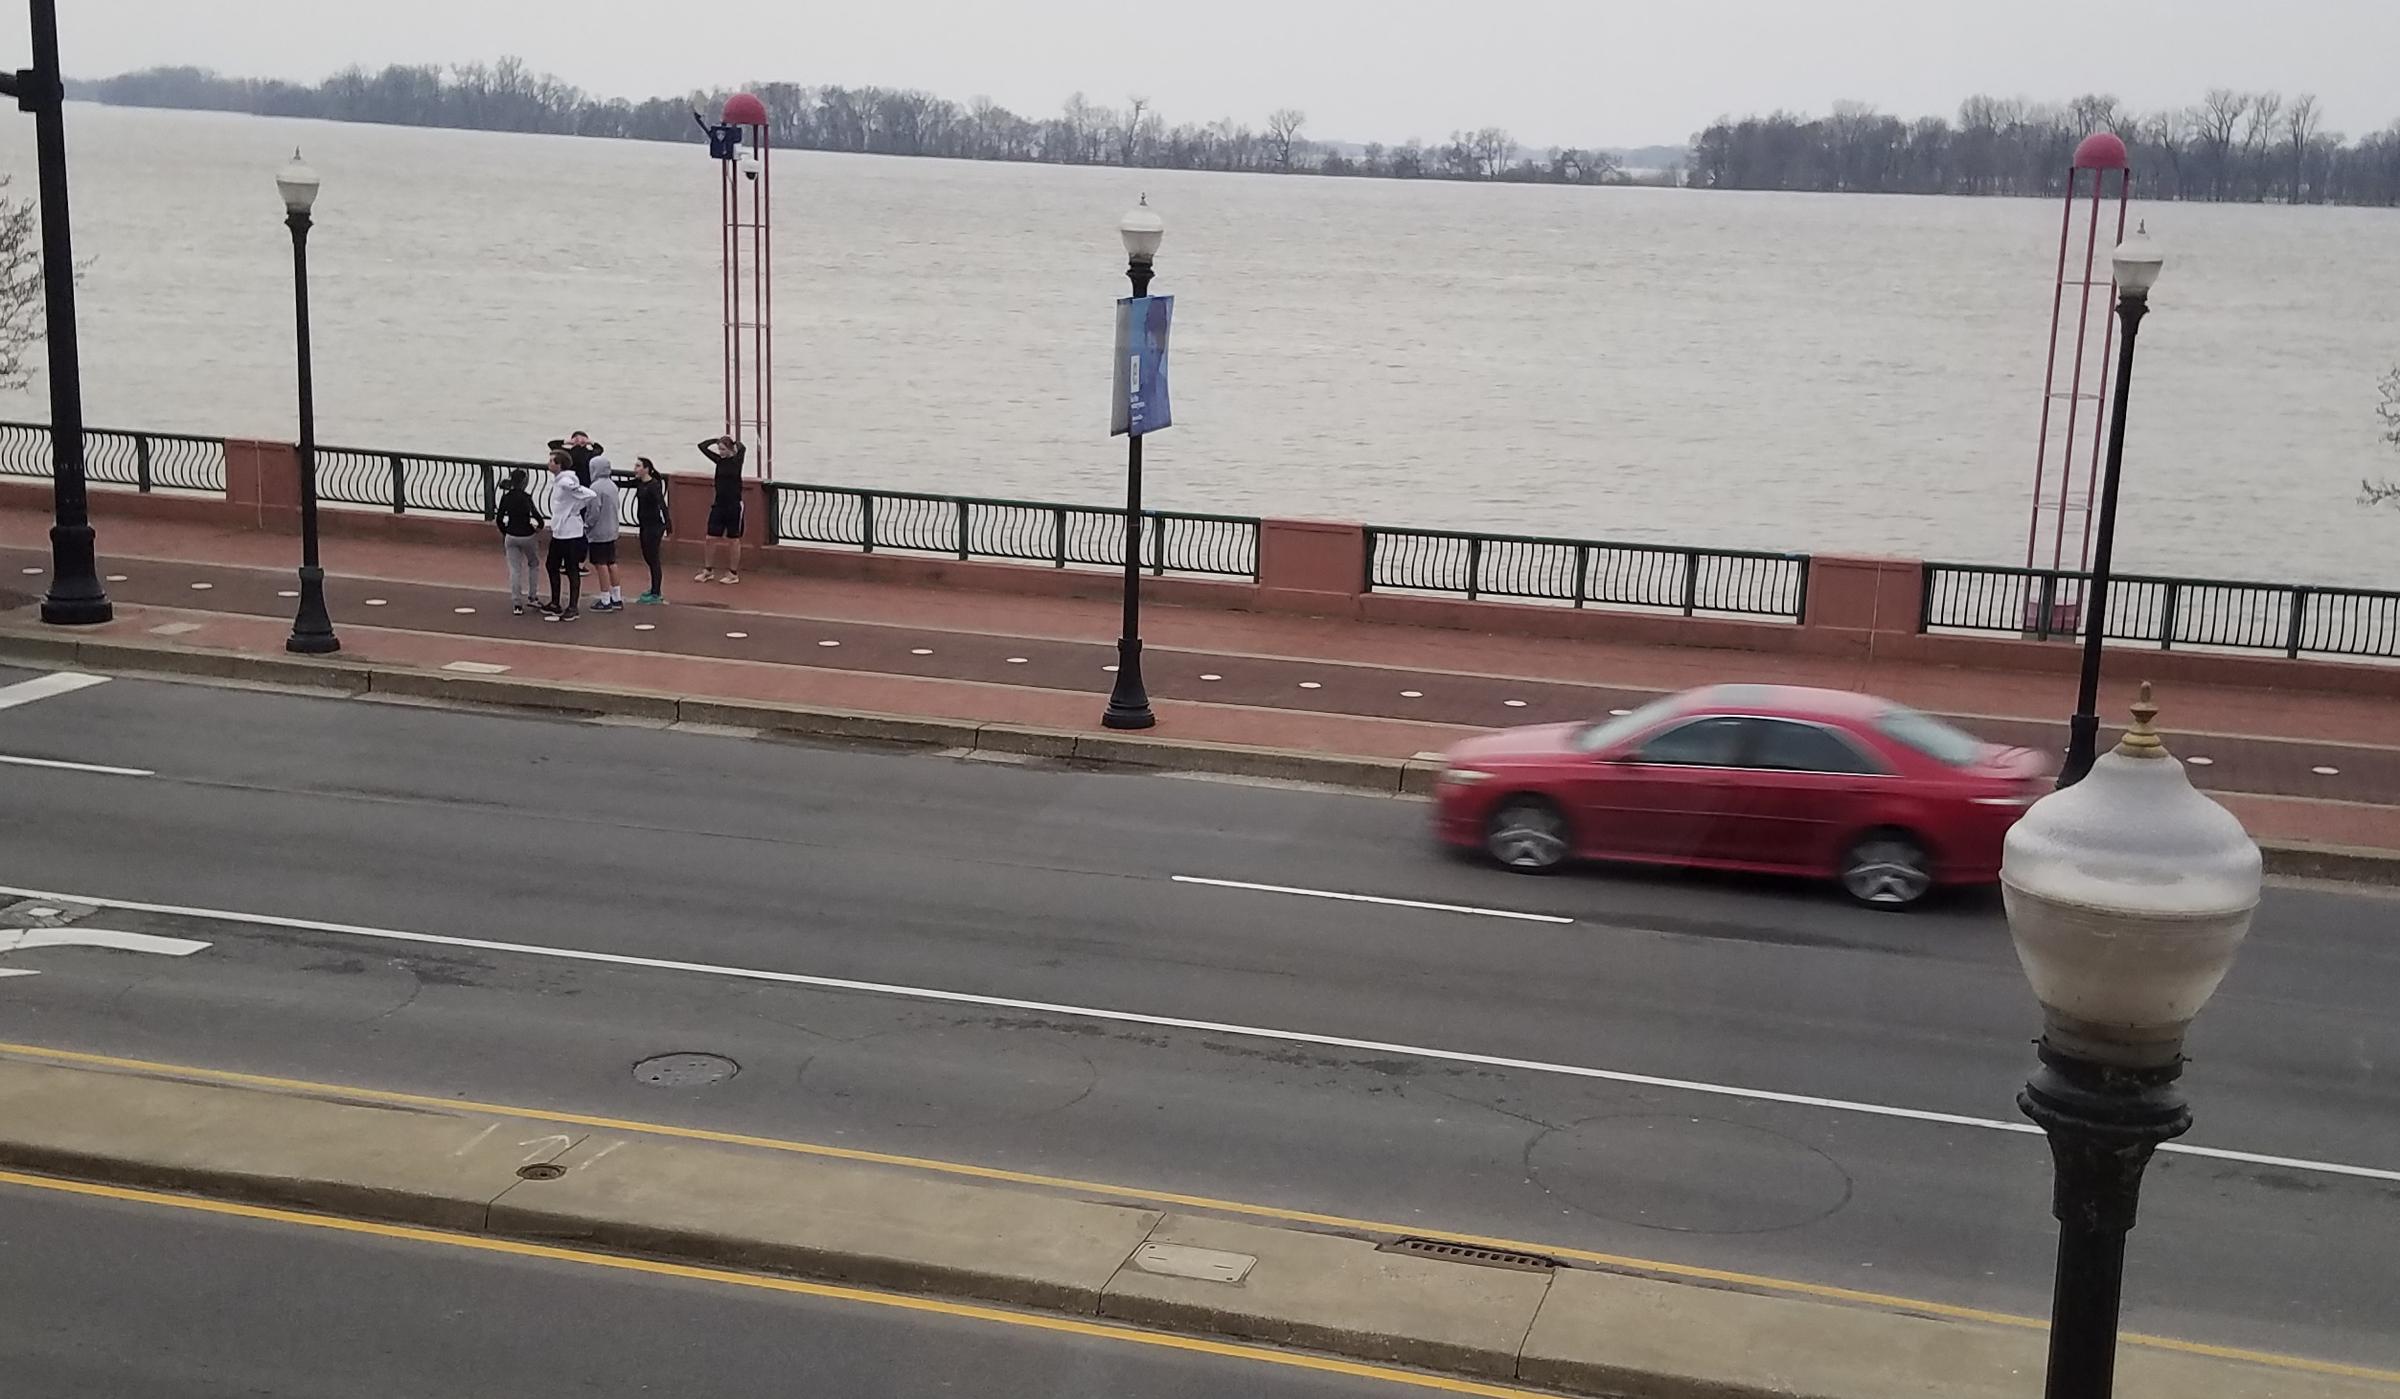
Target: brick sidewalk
[{"x": 1259, "y": 679}]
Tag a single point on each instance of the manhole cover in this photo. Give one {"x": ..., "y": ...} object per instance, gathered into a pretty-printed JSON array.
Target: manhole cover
[
  {"x": 684, "y": 1070},
  {"x": 540, "y": 1170}
]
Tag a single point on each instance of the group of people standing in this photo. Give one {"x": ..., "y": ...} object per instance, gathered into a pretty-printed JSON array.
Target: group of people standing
[{"x": 580, "y": 509}]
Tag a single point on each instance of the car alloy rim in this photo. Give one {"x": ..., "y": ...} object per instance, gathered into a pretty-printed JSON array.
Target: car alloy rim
[
  {"x": 1887, "y": 872},
  {"x": 1528, "y": 837}
]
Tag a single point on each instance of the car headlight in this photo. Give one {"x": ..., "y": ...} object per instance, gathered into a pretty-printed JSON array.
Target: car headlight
[{"x": 1463, "y": 776}]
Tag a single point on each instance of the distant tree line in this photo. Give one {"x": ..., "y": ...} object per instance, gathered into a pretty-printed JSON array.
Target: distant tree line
[
  {"x": 2247, "y": 146},
  {"x": 509, "y": 96}
]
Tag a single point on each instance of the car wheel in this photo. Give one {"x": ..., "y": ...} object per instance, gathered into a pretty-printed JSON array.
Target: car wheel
[
  {"x": 1528, "y": 835},
  {"x": 1887, "y": 869}
]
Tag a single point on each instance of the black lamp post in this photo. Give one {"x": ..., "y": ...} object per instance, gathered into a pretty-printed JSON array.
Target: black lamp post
[
  {"x": 2137, "y": 261},
  {"x": 2128, "y": 895},
  {"x": 75, "y": 598},
  {"x": 312, "y": 630},
  {"x": 1129, "y": 699}
]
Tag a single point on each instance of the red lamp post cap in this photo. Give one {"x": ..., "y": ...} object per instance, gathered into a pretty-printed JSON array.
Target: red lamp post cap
[
  {"x": 744, "y": 109},
  {"x": 2100, "y": 151}
]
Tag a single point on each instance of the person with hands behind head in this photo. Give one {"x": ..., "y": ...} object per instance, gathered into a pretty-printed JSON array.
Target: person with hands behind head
[{"x": 724, "y": 512}]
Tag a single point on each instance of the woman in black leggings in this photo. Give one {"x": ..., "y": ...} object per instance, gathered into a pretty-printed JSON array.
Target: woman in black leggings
[{"x": 652, "y": 519}]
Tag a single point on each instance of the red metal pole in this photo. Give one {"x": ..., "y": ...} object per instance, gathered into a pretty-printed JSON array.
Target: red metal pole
[
  {"x": 2041, "y": 452},
  {"x": 758, "y": 319},
  {"x": 766, "y": 316},
  {"x": 2083, "y": 325},
  {"x": 2108, "y": 340}
]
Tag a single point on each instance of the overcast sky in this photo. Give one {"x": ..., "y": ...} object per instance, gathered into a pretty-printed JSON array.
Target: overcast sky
[{"x": 1551, "y": 71}]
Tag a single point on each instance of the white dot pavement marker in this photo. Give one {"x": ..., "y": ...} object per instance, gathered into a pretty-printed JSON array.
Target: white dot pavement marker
[{"x": 2326, "y": 771}]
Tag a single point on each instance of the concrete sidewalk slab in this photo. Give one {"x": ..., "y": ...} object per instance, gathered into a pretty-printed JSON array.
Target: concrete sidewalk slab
[
  {"x": 1325, "y": 1292},
  {"x": 862, "y": 1224},
  {"x": 407, "y": 1165},
  {"x": 885, "y": 1226}
]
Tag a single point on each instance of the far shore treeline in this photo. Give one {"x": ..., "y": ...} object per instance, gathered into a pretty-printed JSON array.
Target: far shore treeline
[{"x": 2231, "y": 145}]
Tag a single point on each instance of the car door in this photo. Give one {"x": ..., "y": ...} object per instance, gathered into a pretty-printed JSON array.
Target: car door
[
  {"x": 1665, "y": 797},
  {"x": 1799, "y": 793}
]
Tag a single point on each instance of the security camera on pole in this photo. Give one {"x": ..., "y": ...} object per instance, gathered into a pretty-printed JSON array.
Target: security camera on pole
[{"x": 1140, "y": 406}]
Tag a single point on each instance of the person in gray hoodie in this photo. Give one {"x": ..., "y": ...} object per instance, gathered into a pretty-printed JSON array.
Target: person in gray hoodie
[{"x": 600, "y": 528}]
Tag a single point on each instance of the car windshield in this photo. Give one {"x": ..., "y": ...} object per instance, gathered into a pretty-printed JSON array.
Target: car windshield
[
  {"x": 1595, "y": 737},
  {"x": 1931, "y": 737}
]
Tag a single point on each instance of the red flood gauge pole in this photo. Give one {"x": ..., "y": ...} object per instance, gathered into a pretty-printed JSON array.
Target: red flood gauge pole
[
  {"x": 739, "y": 145},
  {"x": 2066, "y": 484}
]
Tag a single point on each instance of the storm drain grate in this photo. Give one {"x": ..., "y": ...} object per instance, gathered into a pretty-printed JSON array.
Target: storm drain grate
[{"x": 1476, "y": 1254}]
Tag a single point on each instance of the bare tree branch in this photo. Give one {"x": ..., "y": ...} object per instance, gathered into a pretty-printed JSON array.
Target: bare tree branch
[{"x": 21, "y": 312}]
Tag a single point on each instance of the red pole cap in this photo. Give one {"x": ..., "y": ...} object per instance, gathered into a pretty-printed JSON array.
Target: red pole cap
[
  {"x": 2100, "y": 151},
  {"x": 744, "y": 109}
]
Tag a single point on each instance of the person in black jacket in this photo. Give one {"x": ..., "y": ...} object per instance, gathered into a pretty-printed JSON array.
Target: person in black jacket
[
  {"x": 651, "y": 518},
  {"x": 580, "y": 450},
  {"x": 520, "y": 540}
]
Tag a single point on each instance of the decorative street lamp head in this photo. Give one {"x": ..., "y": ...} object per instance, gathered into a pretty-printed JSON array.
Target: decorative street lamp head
[
  {"x": 1142, "y": 229},
  {"x": 298, "y": 184},
  {"x": 2127, "y": 894},
  {"x": 2138, "y": 260}
]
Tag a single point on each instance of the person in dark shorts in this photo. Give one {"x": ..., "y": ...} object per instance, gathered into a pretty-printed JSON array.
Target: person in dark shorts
[
  {"x": 651, "y": 518},
  {"x": 600, "y": 537},
  {"x": 567, "y": 496},
  {"x": 724, "y": 512},
  {"x": 520, "y": 541}
]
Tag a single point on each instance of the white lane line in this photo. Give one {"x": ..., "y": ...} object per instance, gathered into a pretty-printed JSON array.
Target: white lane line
[
  {"x": 101, "y": 768},
  {"x": 1167, "y": 1022},
  {"x": 1371, "y": 899},
  {"x": 42, "y": 687}
]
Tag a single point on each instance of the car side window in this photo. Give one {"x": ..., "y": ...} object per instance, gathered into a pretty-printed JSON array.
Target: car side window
[
  {"x": 1783, "y": 746},
  {"x": 1713, "y": 742}
]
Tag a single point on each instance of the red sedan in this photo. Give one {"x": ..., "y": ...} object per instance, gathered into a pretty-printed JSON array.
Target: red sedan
[{"x": 1769, "y": 778}]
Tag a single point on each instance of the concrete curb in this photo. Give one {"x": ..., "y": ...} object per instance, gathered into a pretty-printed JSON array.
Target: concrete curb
[
  {"x": 893, "y": 1228},
  {"x": 1391, "y": 776},
  {"x": 340, "y": 675}
]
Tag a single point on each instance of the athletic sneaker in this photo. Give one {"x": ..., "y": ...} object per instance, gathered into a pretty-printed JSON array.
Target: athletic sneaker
[
  {"x": 649, "y": 598},
  {"x": 706, "y": 575},
  {"x": 569, "y": 615},
  {"x": 516, "y": 609}
]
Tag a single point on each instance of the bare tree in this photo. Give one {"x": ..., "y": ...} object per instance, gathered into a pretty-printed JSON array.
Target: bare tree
[
  {"x": 1494, "y": 148},
  {"x": 2386, "y": 492},
  {"x": 2258, "y": 134},
  {"x": 1129, "y": 136},
  {"x": 1283, "y": 134},
  {"x": 21, "y": 312},
  {"x": 2300, "y": 127},
  {"x": 2214, "y": 123}
]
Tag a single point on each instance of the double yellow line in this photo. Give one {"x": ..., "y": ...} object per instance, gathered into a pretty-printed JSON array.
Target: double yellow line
[{"x": 1342, "y": 1223}]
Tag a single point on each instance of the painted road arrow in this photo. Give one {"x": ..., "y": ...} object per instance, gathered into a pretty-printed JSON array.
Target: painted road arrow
[{"x": 18, "y": 939}]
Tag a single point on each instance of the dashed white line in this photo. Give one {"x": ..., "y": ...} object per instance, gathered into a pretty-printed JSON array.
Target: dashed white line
[
  {"x": 1172, "y": 1022},
  {"x": 1212, "y": 677},
  {"x": 202, "y": 587},
  {"x": 102, "y": 769},
  {"x": 920, "y": 650},
  {"x": 1514, "y": 704},
  {"x": 829, "y": 643},
  {"x": 737, "y": 636},
  {"x": 1310, "y": 685},
  {"x": 2326, "y": 771},
  {"x": 1371, "y": 899},
  {"x": 42, "y": 687}
]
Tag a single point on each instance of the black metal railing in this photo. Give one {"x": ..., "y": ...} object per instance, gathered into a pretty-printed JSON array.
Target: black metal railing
[
  {"x": 1589, "y": 572},
  {"x": 144, "y": 461},
  {"x": 2042, "y": 603},
  {"x": 402, "y": 482},
  {"x": 1028, "y": 531}
]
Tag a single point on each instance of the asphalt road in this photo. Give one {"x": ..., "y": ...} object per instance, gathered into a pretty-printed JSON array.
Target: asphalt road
[
  {"x": 139, "y": 1301},
  {"x": 1058, "y": 887}
]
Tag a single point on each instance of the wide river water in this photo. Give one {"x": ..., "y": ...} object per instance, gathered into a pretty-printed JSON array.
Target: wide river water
[{"x": 1787, "y": 371}]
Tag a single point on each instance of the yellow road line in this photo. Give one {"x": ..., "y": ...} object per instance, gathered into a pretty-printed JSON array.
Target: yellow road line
[
  {"x": 1653, "y": 1266},
  {"x": 1097, "y": 1330}
]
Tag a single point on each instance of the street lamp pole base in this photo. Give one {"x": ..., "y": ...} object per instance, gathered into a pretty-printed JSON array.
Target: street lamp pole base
[
  {"x": 1129, "y": 701},
  {"x": 75, "y": 598},
  {"x": 312, "y": 629},
  {"x": 2103, "y": 1124}
]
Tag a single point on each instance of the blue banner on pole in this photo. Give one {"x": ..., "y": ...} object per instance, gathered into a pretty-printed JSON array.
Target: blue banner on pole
[{"x": 1141, "y": 403}]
